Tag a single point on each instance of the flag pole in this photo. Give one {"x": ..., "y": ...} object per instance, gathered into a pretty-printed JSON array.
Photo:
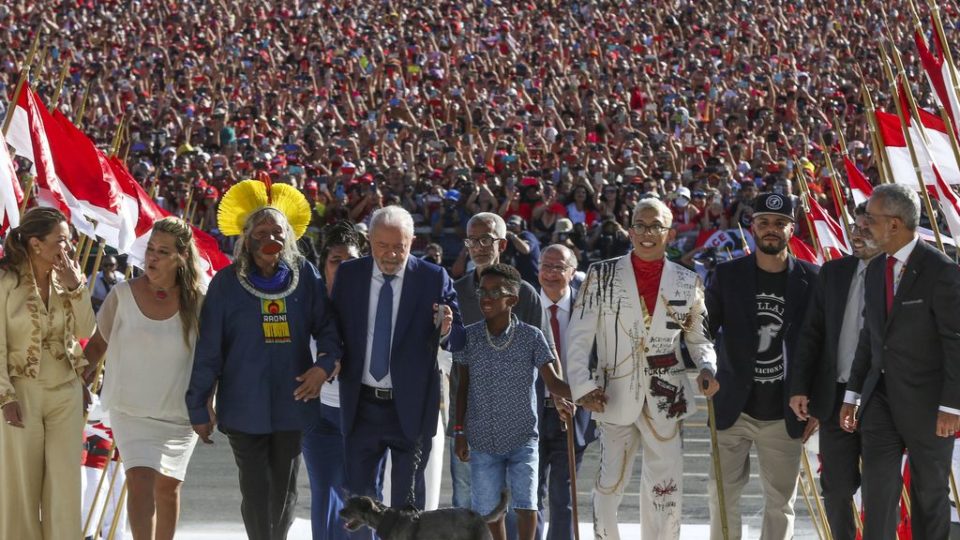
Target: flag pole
[
  {"x": 924, "y": 196},
  {"x": 24, "y": 73},
  {"x": 886, "y": 174},
  {"x": 96, "y": 495},
  {"x": 28, "y": 189},
  {"x": 55, "y": 102},
  {"x": 805, "y": 206},
  {"x": 821, "y": 512},
  {"x": 835, "y": 180},
  {"x": 78, "y": 120}
]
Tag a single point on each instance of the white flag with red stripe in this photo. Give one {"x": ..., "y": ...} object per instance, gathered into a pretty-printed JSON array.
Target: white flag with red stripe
[
  {"x": 898, "y": 154},
  {"x": 949, "y": 203},
  {"x": 11, "y": 194},
  {"x": 829, "y": 232},
  {"x": 939, "y": 75},
  {"x": 28, "y": 137},
  {"x": 860, "y": 187}
]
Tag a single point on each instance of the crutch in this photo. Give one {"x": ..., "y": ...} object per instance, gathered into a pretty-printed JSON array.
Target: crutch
[
  {"x": 572, "y": 464},
  {"x": 718, "y": 475}
]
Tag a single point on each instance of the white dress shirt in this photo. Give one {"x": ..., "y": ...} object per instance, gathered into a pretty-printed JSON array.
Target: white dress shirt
[
  {"x": 852, "y": 323},
  {"x": 902, "y": 255},
  {"x": 564, "y": 308},
  {"x": 375, "y": 285}
]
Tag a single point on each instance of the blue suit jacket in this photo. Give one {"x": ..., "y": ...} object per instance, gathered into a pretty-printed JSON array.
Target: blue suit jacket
[{"x": 413, "y": 357}]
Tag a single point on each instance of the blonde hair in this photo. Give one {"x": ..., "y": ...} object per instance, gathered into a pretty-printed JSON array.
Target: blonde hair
[
  {"x": 37, "y": 223},
  {"x": 188, "y": 274}
]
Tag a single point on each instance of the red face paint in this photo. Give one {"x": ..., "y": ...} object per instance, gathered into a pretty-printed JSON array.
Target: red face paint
[{"x": 271, "y": 247}]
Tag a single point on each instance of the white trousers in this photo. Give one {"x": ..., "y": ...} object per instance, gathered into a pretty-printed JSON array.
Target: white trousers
[{"x": 661, "y": 478}]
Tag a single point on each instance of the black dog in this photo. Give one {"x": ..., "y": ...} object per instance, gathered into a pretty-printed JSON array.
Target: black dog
[{"x": 443, "y": 524}]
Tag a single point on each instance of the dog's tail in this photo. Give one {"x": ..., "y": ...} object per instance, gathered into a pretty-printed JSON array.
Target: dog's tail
[{"x": 501, "y": 508}]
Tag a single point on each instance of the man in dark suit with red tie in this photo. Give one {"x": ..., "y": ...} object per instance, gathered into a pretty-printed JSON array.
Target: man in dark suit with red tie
[{"x": 906, "y": 371}]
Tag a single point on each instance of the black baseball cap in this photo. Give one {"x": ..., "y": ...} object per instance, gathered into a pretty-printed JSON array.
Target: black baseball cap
[{"x": 773, "y": 203}]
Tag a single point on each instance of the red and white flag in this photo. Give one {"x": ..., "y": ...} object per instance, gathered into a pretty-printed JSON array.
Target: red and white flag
[
  {"x": 804, "y": 252},
  {"x": 949, "y": 201},
  {"x": 28, "y": 137},
  {"x": 860, "y": 187},
  {"x": 898, "y": 154},
  {"x": 211, "y": 258},
  {"x": 11, "y": 194},
  {"x": 829, "y": 232},
  {"x": 940, "y": 75}
]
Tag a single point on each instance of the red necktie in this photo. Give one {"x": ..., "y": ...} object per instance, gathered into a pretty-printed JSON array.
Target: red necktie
[
  {"x": 555, "y": 328},
  {"x": 891, "y": 262}
]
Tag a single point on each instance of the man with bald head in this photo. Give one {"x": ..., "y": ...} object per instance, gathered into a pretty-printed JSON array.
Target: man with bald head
[{"x": 558, "y": 264}]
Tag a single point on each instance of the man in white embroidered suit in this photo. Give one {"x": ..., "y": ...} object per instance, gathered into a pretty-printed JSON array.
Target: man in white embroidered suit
[{"x": 640, "y": 392}]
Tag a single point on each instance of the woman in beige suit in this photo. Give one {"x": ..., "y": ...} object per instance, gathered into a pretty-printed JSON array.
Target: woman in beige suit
[{"x": 44, "y": 310}]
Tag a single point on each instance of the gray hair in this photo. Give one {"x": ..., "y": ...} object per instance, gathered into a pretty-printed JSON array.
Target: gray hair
[
  {"x": 491, "y": 220},
  {"x": 290, "y": 254},
  {"x": 569, "y": 257},
  {"x": 900, "y": 201},
  {"x": 392, "y": 216},
  {"x": 666, "y": 216}
]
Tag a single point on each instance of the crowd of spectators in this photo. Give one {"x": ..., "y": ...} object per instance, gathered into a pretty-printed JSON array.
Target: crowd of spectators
[{"x": 559, "y": 114}]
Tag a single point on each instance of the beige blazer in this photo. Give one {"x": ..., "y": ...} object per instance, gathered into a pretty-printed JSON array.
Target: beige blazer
[
  {"x": 638, "y": 360},
  {"x": 21, "y": 315}
]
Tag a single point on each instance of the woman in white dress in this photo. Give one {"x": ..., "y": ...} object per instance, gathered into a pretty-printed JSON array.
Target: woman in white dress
[{"x": 147, "y": 327}]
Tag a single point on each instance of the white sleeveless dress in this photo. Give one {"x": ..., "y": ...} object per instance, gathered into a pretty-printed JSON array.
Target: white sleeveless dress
[{"x": 147, "y": 371}]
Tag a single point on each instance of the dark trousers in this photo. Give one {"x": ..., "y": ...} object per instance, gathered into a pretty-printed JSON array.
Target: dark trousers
[
  {"x": 268, "y": 481},
  {"x": 323, "y": 456},
  {"x": 840, "y": 477},
  {"x": 889, "y": 426},
  {"x": 376, "y": 428},
  {"x": 554, "y": 478}
]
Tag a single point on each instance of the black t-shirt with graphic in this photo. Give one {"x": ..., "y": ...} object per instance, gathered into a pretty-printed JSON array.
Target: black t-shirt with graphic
[{"x": 766, "y": 395}]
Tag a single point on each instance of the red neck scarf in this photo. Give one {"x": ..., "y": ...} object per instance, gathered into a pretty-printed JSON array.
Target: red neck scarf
[{"x": 647, "y": 274}]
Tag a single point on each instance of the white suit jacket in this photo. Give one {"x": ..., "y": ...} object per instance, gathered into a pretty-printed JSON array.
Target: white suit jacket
[{"x": 638, "y": 363}]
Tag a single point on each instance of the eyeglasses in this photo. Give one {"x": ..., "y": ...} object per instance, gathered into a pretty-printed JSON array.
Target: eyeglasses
[
  {"x": 483, "y": 241},
  {"x": 656, "y": 228},
  {"x": 494, "y": 294},
  {"x": 558, "y": 268},
  {"x": 872, "y": 218}
]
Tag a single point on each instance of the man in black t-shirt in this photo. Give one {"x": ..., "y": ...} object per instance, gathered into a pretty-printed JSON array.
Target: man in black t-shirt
[{"x": 755, "y": 306}]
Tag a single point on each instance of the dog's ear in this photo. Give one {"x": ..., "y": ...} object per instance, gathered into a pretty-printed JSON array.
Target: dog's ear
[{"x": 367, "y": 503}]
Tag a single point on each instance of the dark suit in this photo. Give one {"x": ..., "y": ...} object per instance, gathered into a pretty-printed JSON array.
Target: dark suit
[
  {"x": 732, "y": 311},
  {"x": 406, "y": 423},
  {"x": 814, "y": 374},
  {"x": 910, "y": 358},
  {"x": 554, "y": 476}
]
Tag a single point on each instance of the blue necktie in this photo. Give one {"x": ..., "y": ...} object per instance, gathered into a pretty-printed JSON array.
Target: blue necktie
[{"x": 380, "y": 353}]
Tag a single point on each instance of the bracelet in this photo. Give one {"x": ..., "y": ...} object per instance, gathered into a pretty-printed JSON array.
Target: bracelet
[{"x": 458, "y": 433}]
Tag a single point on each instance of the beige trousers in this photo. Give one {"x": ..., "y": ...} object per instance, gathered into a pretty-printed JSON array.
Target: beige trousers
[
  {"x": 779, "y": 459},
  {"x": 40, "y": 463},
  {"x": 661, "y": 478}
]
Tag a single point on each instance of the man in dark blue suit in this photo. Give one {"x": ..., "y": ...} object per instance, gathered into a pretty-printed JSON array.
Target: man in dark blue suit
[
  {"x": 557, "y": 266},
  {"x": 387, "y": 306}
]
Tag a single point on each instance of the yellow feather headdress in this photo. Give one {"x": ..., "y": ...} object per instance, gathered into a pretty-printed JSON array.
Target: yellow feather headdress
[{"x": 248, "y": 196}]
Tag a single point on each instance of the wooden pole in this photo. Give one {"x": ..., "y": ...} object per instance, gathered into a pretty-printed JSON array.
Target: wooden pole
[
  {"x": 78, "y": 120},
  {"x": 27, "y": 191},
  {"x": 717, "y": 471},
  {"x": 96, "y": 496},
  {"x": 113, "y": 480},
  {"x": 572, "y": 465},
  {"x": 816, "y": 496},
  {"x": 96, "y": 265},
  {"x": 119, "y": 509},
  {"x": 841, "y": 202},
  {"x": 55, "y": 101},
  {"x": 24, "y": 73},
  {"x": 805, "y": 490}
]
